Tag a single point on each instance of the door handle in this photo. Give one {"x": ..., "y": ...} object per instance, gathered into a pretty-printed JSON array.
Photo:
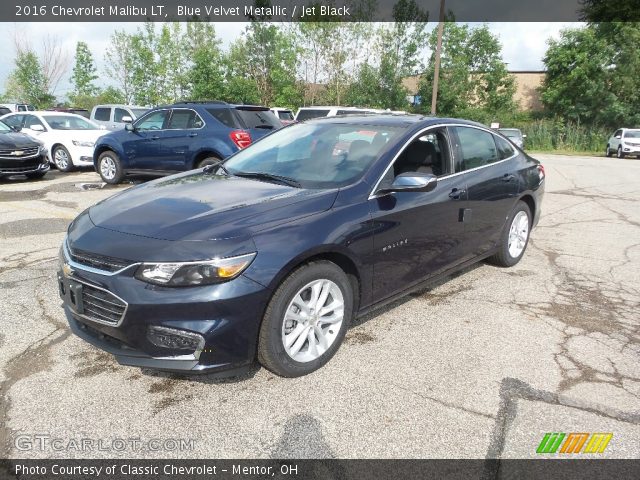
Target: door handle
[
  {"x": 456, "y": 193},
  {"x": 155, "y": 137},
  {"x": 508, "y": 177},
  {"x": 193, "y": 134}
]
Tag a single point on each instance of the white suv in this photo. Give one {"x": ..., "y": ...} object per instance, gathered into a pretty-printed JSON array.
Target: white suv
[{"x": 625, "y": 141}]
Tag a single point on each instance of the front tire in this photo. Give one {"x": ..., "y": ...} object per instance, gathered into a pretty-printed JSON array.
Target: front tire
[
  {"x": 62, "y": 159},
  {"x": 620, "y": 153},
  {"x": 110, "y": 168},
  {"x": 515, "y": 237},
  {"x": 306, "y": 320}
]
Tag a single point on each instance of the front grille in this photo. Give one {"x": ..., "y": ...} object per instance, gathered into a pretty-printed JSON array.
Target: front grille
[
  {"x": 101, "y": 262},
  {"x": 102, "y": 306},
  {"x": 17, "y": 165},
  {"x": 19, "y": 152}
]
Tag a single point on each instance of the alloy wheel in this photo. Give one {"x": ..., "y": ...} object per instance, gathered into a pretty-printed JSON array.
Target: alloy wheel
[
  {"x": 518, "y": 234},
  {"x": 61, "y": 159},
  {"x": 313, "y": 320},
  {"x": 108, "y": 168}
]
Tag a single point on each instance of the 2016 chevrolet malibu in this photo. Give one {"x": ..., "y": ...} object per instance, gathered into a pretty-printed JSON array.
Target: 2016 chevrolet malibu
[{"x": 271, "y": 254}]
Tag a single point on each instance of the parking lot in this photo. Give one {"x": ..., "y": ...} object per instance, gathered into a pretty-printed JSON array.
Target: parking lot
[{"x": 482, "y": 365}]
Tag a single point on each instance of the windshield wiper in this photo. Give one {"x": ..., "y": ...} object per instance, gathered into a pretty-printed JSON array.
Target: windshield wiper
[
  {"x": 211, "y": 168},
  {"x": 269, "y": 176},
  {"x": 266, "y": 127}
]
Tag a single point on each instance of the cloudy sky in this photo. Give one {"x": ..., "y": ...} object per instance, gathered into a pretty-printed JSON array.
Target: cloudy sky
[{"x": 524, "y": 44}]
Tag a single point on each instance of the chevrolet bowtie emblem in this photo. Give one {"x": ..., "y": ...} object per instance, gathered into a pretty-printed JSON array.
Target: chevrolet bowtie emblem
[
  {"x": 17, "y": 153},
  {"x": 67, "y": 270}
]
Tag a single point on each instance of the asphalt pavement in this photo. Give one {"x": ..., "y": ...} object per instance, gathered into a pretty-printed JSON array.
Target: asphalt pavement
[{"x": 480, "y": 365}]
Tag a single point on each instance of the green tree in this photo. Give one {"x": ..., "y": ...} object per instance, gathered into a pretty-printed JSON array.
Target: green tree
[
  {"x": 472, "y": 72},
  {"x": 206, "y": 74},
  {"x": 84, "y": 74},
  {"x": 119, "y": 62},
  {"x": 26, "y": 83}
]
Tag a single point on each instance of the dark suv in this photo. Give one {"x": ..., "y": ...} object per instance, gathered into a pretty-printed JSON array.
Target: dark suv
[{"x": 180, "y": 137}]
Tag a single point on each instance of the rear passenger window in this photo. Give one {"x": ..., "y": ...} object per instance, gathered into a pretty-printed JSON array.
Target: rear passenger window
[
  {"x": 185, "y": 119},
  {"x": 477, "y": 146},
  {"x": 505, "y": 149},
  {"x": 14, "y": 121},
  {"x": 102, "y": 114},
  {"x": 224, "y": 116}
]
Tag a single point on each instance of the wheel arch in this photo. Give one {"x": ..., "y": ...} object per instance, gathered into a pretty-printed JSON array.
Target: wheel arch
[
  {"x": 531, "y": 203},
  {"x": 202, "y": 154}
]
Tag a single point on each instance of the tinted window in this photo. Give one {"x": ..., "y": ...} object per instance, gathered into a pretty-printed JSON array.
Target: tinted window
[
  {"x": 14, "y": 120},
  {"x": 4, "y": 110},
  {"x": 103, "y": 114},
  {"x": 477, "y": 148},
  {"x": 185, "y": 119},
  {"x": 224, "y": 116},
  {"x": 285, "y": 115},
  {"x": 153, "y": 121},
  {"x": 632, "y": 134},
  {"x": 310, "y": 153},
  {"x": 505, "y": 150},
  {"x": 119, "y": 114},
  {"x": 31, "y": 120},
  {"x": 309, "y": 114},
  {"x": 427, "y": 154},
  {"x": 22, "y": 108},
  {"x": 259, "y": 119},
  {"x": 618, "y": 133}
]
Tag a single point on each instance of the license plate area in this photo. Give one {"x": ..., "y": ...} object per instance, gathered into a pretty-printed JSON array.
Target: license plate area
[{"x": 71, "y": 293}]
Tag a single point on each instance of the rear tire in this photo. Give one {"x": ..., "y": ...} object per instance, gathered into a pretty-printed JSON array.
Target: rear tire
[
  {"x": 62, "y": 159},
  {"x": 607, "y": 151},
  {"x": 316, "y": 301},
  {"x": 109, "y": 168},
  {"x": 208, "y": 161},
  {"x": 515, "y": 237}
]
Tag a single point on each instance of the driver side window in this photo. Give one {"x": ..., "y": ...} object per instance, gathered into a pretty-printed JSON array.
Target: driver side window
[
  {"x": 153, "y": 121},
  {"x": 428, "y": 154}
]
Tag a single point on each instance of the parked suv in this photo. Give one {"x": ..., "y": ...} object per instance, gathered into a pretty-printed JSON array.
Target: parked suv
[
  {"x": 180, "y": 137},
  {"x": 624, "y": 141},
  {"x": 115, "y": 117}
]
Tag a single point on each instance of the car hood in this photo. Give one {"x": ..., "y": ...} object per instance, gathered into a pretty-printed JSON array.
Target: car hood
[
  {"x": 199, "y": 206},
  {"x": 16, "y": 140}
]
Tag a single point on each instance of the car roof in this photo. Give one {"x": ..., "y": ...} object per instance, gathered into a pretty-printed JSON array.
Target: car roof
[
  {"x": 392, "y": 119},
  {"x": 120, "y": 105}
]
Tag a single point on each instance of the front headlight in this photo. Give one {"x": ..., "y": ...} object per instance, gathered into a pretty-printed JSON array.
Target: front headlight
[
  {"x": 83, "y": 143},
  {"x": 194, "y": 273}
]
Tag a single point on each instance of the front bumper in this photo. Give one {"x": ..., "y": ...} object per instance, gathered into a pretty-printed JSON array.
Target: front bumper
[
  {"x": 631, "y": 149},
  {"x": 226, "y": 315},
  {"x": 38, "y": 163}
]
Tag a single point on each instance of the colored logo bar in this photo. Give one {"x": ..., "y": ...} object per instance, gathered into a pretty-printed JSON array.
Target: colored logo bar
[{"x": 574, "y": 442}]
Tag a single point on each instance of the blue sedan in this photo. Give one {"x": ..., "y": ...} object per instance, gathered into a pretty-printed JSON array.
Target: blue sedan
[{"x": 269, "y": 255}]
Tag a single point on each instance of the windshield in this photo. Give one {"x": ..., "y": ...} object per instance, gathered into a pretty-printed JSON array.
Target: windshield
[
  {"x": 138, "y": 112},
  {"x": 632, "y": 134},
  {"x": 324, "y": 155},
  {"x": 4, "y": 128},
  {"x": 67, "y": 122}
]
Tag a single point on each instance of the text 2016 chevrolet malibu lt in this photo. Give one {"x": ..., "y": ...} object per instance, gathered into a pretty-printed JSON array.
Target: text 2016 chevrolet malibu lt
[{"x": 270, "y": 255}]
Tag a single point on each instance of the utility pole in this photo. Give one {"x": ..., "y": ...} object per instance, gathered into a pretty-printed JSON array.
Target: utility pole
[{"x": 436, "y": 71}]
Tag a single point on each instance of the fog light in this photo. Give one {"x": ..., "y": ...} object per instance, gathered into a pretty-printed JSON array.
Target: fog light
[{"x": 175, "y": 339}]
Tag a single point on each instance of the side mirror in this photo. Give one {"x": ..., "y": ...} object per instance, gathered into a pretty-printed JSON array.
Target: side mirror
[
  {"x": 618, "y": 136},
  {"x": 127, "y": 119},
  {"x": 412, "y": 182},
  {"x": 37, "y": 128},
  {"x": 129, "y": 127},
  {"x": 524, "y": 135}
]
